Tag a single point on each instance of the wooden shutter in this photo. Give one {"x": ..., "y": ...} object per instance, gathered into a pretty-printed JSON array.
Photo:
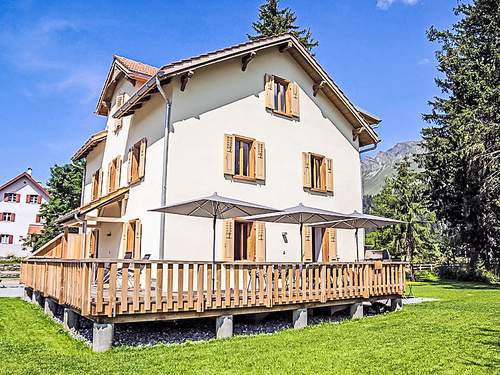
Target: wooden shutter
[
  {"x": 39, "y": 199},
  {"x": 18, "y": 198},
  {"x": 11, "y": 239},
  {"x": 124, "y": 239},
  {"x": 38, "y": 218},
  {"x": 307, "y": 243},
  {"x": 142, "y": 158},
  {"x": 269, "y": 91},
  {"x": 260, "y": 241},
  {"x": 229, "y": 154},
  {"x": 332, "y": 244},
  {"x": 99, "y": 185},
  {"x": 28, "y": 198},
  {"x": 110, "y": 165},
  {"x": 119, "y": 100},
  {"x": 306, "y": 169},
  {"x": 137, "y": 239},
  {"x": 12, "y": 217},
  {"x": 130, "y": 163},
  {"x": 118, "y": 104},
  {"x": 260, "y": 160},
  {"x": 228, "y": 239},
  {"x": 329, "y": 175},
  {"x": 295, "y": 105},
  {"x": 1, "y": 216},
  {"x": 118, "y": 172}
]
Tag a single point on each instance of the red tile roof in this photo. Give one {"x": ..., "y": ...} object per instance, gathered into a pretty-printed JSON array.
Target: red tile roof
[{"x": 137, "y": 66}]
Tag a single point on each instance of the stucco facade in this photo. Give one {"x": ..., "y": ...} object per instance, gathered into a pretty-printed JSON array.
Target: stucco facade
[
  {"x": 25, "y": 213},
  {"x": 222, "y": 99}
]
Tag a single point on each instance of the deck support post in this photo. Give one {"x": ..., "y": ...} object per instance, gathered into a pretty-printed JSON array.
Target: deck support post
[
  {"x": 396, "y": 304},
  {"x": 102, "y": 336},
  {"x": 28, "y": 294},
  {"x": 356, "y": 310},
  {"x": 224, "y": 326},
  {"x": 71, "y": 320},
  {"x": 50, "y": 307},
  {"x": 299, "y": 318},
  {"x": 38, "y": 299}
]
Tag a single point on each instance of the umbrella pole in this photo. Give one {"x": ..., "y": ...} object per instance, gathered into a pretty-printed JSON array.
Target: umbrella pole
[
  {"x": 357, "y": 245},
  {"x": 213, "y": 254},
  {"x": 301, "y": 245}
]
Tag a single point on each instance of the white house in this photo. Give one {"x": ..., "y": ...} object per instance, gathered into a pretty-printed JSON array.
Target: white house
[
  {"x": 20, "y": 200},
  {"x": 261, "y": 121}
]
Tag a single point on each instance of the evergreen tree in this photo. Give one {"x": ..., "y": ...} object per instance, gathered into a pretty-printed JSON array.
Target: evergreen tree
[
  {"x": 462, "y": 157},
  {"x": 64, "y": 186},
  {"x": 404, "y": 197},
  {"x": 274, "y": 21}
]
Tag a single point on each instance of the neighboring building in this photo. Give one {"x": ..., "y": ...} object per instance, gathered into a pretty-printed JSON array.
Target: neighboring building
[
  {"x": 260, "y": 121},
  {"x": 20, "y": 200}
]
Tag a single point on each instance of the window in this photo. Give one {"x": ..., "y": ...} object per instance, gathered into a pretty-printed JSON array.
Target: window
[
  {"x": 317, "y": 172},
  {"x": 114, "y": 169},
  {"x": 11, "y": 197},
  {"x": 120, "y": 99},
  {"x": 33, "y": 199},
  {"x": 132, "y": 239},
  {"x": 243, "y": 249},
  {"x": 244, "y": 241},
  {"x": 7, "y": 216},
  {"x": 38, "y": 218},
  {"x": 96, "y": 184},
  {"x": 244, "y": 158},
  {"x": 282, "y": 96},
  {"x": 6, "y": 239},
  {"x": 137, "y": 161},
  {"x": 319, "y": 244}
]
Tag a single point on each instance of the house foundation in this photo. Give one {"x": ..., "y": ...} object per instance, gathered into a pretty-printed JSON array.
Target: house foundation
[
  {"x": 356, "y": 310},
  {"x": 102, "y": 336},
  {"x": 71, "y": 319},
  {"x": 299, "y": 318},
  {"x": 224, "y": 326},
  {"x": 50, "y": 307}
]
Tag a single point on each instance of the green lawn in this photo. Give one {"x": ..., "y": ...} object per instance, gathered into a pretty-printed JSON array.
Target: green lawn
[{"x": 459, "y": 334}]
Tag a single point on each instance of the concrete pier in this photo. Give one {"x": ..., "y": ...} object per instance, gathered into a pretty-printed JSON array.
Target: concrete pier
[
  {"x": 299, "y": 318},
  {"x": 102, "y": 337},
  {"x": 224, "y": 326}
]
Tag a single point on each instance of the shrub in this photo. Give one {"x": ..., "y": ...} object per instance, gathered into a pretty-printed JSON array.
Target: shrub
[
  {"x": 480, "y": 274},
  {"x": 426, "y": 276}
]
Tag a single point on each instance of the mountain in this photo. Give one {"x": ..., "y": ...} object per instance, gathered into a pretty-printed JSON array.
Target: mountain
[{"x": 375, "y": 169}]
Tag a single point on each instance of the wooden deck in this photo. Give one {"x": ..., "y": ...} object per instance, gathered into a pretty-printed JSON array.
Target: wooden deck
[{"x": 162, "y": 290}]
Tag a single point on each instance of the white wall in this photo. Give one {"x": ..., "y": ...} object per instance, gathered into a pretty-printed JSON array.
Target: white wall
[
  {"x": 25, "y": 215},
  {"x": 223, "y": 99}
]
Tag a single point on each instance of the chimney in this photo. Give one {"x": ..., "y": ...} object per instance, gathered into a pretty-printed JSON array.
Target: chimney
[{"x": 30, "y": 170}]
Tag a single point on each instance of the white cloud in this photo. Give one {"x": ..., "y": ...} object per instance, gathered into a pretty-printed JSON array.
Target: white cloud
[
  {"x": 40, "y": 48},
  {"x": 423, "y": 61},
  {"x": 385, "y": 4}
]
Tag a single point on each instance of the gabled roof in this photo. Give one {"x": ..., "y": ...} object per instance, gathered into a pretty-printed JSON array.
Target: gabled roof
[
  {"x": 90, "y": 144},
  {"x": 29, "y": 177},
  {"x": 122, "y": 67},
  {"x": 286, "y": 42}
]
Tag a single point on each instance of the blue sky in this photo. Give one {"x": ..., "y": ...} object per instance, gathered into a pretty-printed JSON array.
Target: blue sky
[{"x": 54, "y": 57}]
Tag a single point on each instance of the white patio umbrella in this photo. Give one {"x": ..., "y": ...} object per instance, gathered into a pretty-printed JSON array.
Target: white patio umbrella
[
  {"x": 215, "y": 207},
  {"x": 358, "y": 220},
  {"x": 300, "y": 215}
]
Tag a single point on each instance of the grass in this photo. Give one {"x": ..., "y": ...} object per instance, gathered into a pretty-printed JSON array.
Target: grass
[{"x": 457, "y": 335}]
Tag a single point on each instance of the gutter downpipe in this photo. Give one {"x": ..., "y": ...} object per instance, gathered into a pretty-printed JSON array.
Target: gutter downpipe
[
  {"x": 371, "y": 148},
  {"x": 168, "y": 106}
]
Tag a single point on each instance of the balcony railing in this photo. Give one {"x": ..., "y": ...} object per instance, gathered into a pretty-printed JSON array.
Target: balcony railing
[{"x": 117, "y": 287}]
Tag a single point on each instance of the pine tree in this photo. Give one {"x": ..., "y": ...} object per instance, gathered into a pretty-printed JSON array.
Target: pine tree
[
  {"x": 64, "y": 186},
  {"x": 404, "y": 197},
  {"x": 462, "y": 158},
  {"x": 274, "y": 21}
]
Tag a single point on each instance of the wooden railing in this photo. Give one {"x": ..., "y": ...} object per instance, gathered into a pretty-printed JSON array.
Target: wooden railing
[{"x": 115, "y": 287}]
